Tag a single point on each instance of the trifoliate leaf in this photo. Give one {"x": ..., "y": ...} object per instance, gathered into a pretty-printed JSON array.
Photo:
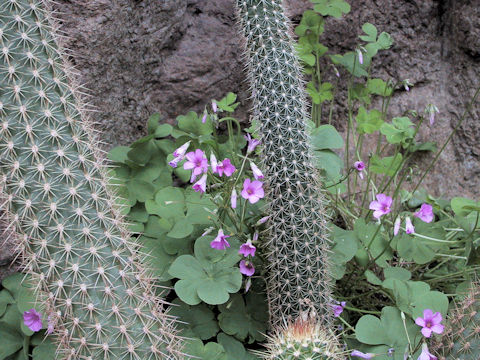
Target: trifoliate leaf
[{"x": 199, "y": 319}]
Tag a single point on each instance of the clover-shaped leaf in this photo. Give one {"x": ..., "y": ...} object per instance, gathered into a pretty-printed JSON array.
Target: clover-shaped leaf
[
  {"x": 311, "y": 23},
  {"x": 193, "y": 126},
  {"x": 247, "y": 322},
  {"x": 210, "y": 276},
  {"x": 333, "y": 8},
  {"x": 199, "y": 319},
  {"x": 368, "y": 121},
  {"x": 234, "y": 348},
  {"x": 210, "y": 351}
]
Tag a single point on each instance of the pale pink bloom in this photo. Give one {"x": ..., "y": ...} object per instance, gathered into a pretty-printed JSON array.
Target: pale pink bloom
[
  {"x": 252, "y": 143},
  {"x": 431, "y": 110},
  {"x": 263, "y": 220},
  {"x": 360, "y": 56},
  {"x": 425, "y": 213},
  {"x": 248, "y": 284},
  {"x": 409, "y": 228},
  {"x": 204, "y": 118},
  {"x": 220, "y": 242},
  {"x": 252, "y": 191},
  {"x": 181, "y": 150},
  {"x": 201, "y": 185},
  {"x": 33, "y": 320},
  {"x": 214, "y": 106},
  {"x": 359, "y": 166},
  {"x": 396, "y": 226},
  {"x": 233, "y": 199},
  {"x": 196, "y": 161},
  {"x": 174, "y": 163},
  {"x": 225, "y": 167},
  {"x": 247, "y": 268},
  {"x": 362, "y": 355},
  {"x": 338, "y": 308},
  {"x": 255, "y": 236},
  {"x": 430, "y": 323},
  {"x": 257, "y": 174},
  {"x": 208, "y": 231},
  {"x": 213, "y": 162},
  {"x": 381, "y": 205},
  {"x": 247, "y": 249},
  {"x": 425, "y": 355}
]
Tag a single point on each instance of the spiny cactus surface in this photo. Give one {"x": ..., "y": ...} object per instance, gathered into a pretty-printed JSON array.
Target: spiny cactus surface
[
  {"x": 297, "y": 245},
  {"x": 101, "y": 302},
  {"x": 302, "y": 340},
  {"x": 461, "y": 338}
]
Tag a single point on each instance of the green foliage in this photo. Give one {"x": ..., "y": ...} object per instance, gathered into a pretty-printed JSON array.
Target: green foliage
[{"x": 18, "y": 341}]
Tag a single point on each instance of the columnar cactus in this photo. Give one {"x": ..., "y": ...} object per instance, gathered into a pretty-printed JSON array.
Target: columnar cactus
[
  {"x": 101, "y": 301},
  {"x": 298, "y": 246},
  {"x": 461, "y": 337},
  {"x": 302, "y": 340}
]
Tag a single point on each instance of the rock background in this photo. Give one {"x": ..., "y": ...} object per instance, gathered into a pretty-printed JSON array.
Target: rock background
[{"x": 138, "y": 57}]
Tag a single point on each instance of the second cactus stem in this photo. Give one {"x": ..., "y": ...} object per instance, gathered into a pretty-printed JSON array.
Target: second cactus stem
[{"x": 297, "y": 243}]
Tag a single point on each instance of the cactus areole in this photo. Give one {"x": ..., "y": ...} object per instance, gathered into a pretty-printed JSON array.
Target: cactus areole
[
  {"x": 100, "y": 301},
  {"x": 297, "y": 242}
]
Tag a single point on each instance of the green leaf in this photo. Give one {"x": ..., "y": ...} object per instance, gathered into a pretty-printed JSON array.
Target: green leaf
[
  {"x": 140, "y": 190},
  {"x": 12, "y": 341},
  {"x": 459, "y": 205},
  {"x": 344, "y": 249},
  {"x": 372, "y": 278},
  {"x": 193, "y": 125},
  {"x": 119, "y": 154},
  {"x": 228, "y": 103},
  {"x": 371, "y": 32},
  {"x": 350, "y": 62},
  {"x": 5, "y": 299},
  {"x": 397, "y": 273},
  {"x": 410, "y": 248},
  {"x": 199, "y": 208},
  {"x": 326, "y": 137},
  {"x": 199, "y": 319},
  {"x": 169, "y": 203},
  {"x": 234, "y": 348},
  {"x": 388, "y": 165},
  {"x": 211, "y": 351},
  {"x": 311, "y": 23},
  {"x": 399, "y": 131},
  {"x": 163, "y": 131},
  {"x": 322, "y": 94},
  {"x": 368, "y": 122},
  {"x": 44, "y": 351},
  {"x": 152, "y": 123},
  {"x": 247, "y": 322},
  {"x": 159, "y": 260},
  {"x": 434, "y": 300},
  {"x": 377, "y": 245},
  {"x": 181, "y": 228},
  {"x": 384, "y": 41},
  {"x": 330, "y": 162},
  {"x": 335, "y": 8},
  {"x": 379, "y": 87}
]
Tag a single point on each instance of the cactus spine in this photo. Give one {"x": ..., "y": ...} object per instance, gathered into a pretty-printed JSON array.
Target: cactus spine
[
  {"x": 461, "y": 338},
  {"x": 102, "y": 302},
  {"x": 298, "y": 246}
]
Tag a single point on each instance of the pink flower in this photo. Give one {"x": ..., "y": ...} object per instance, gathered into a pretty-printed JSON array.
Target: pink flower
[
  {"x": 248, "y": 284},
  {"x": 204, "y": 118},
  {"x": 181, "y": 150},
  {"x": 396, "y": 226},
  {"x": 263, "y": 220},
  {"x": 425, "y": 355},
  {"x": 201, "y": 185},
  {"x": 431, "y": 110},
  {"x": 214, "y": 106},
  {"x": 257, "y": 174},
  {"x": 196, "y": 161},
  {"x": 359, "y": 166},
  {"x": 338, "y": 308},
  {"x": 247, "y": 268},
  {"x": 430, "y": 323},
  {"x": 174, "y": 163},
  {"x": 225, "y": 167},
  {"x": 409, "y": 228},
  {"x": 233, "y": 199},
  {"x": 247, "y": 249},
  {"x": 362, "y": 355},
  {"x": 213, "y": 162},
  {"x": 252, "y": 143},
  {"x": 360, "y": 56},
  {"x": 252, "y": 191},
  {"x": 381, "y": 205},
  {"x": 33, "y": 320},
  {"x": 220, "y": 242},
  {"x": 425, "y": 213}
]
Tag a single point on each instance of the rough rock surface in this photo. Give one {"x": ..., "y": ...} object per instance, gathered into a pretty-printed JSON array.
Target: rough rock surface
[{"x": 137, "y": 57}]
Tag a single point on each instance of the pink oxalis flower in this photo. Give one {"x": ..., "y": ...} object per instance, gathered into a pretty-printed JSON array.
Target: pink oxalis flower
[
  {"x": 359, "y": 166},
  {"x": 181, "y": 150},
  {"x": 430, "y": 323},
  {"x": 381, "y": 206},
  {"x": 247, "y": 268},
  {"x": 214, "y": 106},
  {"x": 225, "y": 167},
  {"x": 233, "y": 199},
  {"x": 252, "y": 191},
  {"x": 220, "y": 242},
  {"x": 33, "y": 320},
  {"x": 257, "y": 174},
  {"x": 409, "y": 228},
  {"x": 338, "y": 308},
  {"x": 213, "y": 162},
  {"x": 247, "y": 249},
  {"x": 360, "y": 56},
  {"x": 396, "y": 226},
  {"x": 196, "y": 162},
  {"x": 252, "y": 143},
  {"x": 362, "y": 355},
  {"x": 425, "y": 355},
  {"x": 201, "y": 185},
  {"x": 425, "y": 213},
  {"x": 204, "y": 118}
]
